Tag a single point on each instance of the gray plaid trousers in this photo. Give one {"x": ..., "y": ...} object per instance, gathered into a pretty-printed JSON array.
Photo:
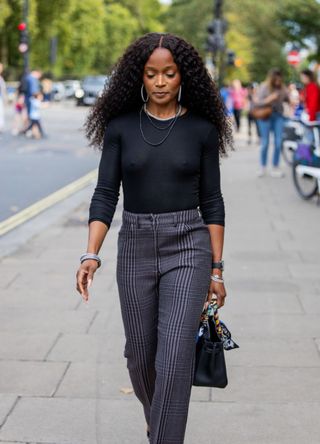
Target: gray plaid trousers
[{"x": 163, "y": 275}]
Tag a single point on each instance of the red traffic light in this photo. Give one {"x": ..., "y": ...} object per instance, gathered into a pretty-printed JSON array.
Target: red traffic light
[{"x": 22, "y": 26}]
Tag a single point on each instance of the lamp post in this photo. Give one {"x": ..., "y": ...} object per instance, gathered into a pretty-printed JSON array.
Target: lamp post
[
  {"x": 215, "y": 40},
  {"x": 26, "y": 53},
  {"x": 24, "y": 37}
]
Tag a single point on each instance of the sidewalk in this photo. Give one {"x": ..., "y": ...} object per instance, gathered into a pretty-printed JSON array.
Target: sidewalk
[{"x": 63, "y": 379}]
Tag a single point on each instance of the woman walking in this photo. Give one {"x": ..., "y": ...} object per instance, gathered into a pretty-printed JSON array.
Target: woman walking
[
  {"x": 161, "y": 126},
  {"x": 272, "y": 93},
  {"x": 239, "y": 97},
  {"x": 310, "y": 95}
]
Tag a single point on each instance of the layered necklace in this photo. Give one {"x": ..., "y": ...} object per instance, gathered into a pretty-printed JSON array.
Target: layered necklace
[{"x": 162, "y": 128}]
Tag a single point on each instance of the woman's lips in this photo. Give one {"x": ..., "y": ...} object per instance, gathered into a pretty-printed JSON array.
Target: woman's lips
[{"x": 160, "y": 94}]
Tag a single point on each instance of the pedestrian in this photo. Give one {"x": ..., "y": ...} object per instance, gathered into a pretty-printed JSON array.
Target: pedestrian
[
  {"x": 3, "y": 98},
  {"x": 47, "y": 86},
  {"x": 34, "y": 116},
  {"x": 225, "y": 92},
  {"x": 162, "y": 127},
  {"x": 238, "y": 96},
  {"x": 271, "y": 95},
  {"x": 251, "y": 93},
  {"x": 294, "y": 99},
  {"x": 31, "y": 86},
  {"x": 310, "y": 95},
  {"x": 20, "y": 119}
]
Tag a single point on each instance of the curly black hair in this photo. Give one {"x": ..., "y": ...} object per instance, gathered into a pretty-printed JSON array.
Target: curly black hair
[{"x": 122, "y": 94}]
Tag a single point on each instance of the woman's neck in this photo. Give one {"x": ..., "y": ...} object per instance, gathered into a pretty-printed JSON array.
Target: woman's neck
[{"x": 164, "y": 111}]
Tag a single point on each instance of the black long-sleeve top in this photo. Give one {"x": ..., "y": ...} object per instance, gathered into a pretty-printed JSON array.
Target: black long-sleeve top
[{"x": 181, "y": 173}]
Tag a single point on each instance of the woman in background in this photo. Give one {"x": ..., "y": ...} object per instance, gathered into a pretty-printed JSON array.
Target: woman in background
[
  {"x": 238, "y": 96},
  {"x": 272, "y": 92}
]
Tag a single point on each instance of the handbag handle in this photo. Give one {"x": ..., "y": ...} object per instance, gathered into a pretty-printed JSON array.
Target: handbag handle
[{"x": 212, "y": 310}]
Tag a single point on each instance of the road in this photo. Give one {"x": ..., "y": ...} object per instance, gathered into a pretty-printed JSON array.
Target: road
[{"x": 32, "y": 169}]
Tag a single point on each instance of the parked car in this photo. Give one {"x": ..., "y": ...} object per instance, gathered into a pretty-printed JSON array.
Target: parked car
[
  {"x": 91, "y": 88},
  {"x": 58, "y": 91},
  {"x": 71, "y": 86}
]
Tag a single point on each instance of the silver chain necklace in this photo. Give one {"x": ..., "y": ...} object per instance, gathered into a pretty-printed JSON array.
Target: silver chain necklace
[
  {"x": 166, "y": 136},
  {"x": 161, "y": 128}
]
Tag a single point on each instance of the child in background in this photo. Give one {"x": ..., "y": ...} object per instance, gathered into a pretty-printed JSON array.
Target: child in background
[
  {"x": 20, "y": 117},
  {"x": 35, "y": 105}
]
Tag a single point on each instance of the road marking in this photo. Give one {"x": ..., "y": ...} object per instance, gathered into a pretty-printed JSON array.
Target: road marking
[{"x": 42, "y": 204}]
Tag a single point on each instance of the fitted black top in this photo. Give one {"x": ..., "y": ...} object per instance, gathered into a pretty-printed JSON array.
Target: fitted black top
[{"x": 181, "y": 173}]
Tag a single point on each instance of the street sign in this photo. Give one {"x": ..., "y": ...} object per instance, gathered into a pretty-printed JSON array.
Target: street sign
[{"x": 293, "y": 58}]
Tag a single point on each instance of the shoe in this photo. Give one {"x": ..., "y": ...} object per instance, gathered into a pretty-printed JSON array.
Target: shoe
[
  {"x": 261, "y": 172},
  {"x": 276, "y": 172}
]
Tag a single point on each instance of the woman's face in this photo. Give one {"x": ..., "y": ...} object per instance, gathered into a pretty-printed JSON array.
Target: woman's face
[
  {"x": 304, "y": 79},
  {"x": 277, "y": 81},
  {"x": 161, "y": 77}
]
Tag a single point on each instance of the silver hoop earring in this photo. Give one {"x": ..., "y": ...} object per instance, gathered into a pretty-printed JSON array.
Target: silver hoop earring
[
  {"x": 179, "y": 94},
  {"x": 142, "y": 96}
]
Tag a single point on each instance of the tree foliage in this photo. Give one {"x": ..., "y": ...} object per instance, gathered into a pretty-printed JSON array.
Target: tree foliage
[
  {"x": 90, "y": 34},
  {"x": 300, "y": 22},
  {"x": 257, "y": 31}
]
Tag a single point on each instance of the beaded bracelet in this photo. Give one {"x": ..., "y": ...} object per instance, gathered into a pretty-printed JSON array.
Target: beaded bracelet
[
  {"x": 93, "y": 256},
  {"x": 217, "y": 278}
]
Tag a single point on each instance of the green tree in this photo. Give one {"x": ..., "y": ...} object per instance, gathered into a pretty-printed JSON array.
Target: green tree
[
  {"x": 255, "y": 32},
  {"x": 90, "y": 34},
  {"x": 189, "y": 19},
  {"x": 79, "y": 29},
  {"x": 258, "y": 22},
  {"x": 300, "y": 21},
  {"x": 120, "y": 28}
]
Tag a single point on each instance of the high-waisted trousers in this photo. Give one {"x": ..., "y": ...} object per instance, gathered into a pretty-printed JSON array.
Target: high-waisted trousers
[{"x": 163, "y": 276}]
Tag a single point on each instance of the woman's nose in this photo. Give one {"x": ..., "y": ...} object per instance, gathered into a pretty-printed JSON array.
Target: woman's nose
[{"x": 160, "y": 81}]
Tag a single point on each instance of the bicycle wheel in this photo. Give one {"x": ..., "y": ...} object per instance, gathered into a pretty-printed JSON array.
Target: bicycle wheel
[
  {"x": 306, "y": 185},
  {"x": 287, "y": 151}
]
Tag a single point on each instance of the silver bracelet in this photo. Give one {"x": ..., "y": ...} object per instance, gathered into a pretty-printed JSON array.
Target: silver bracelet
[
  {"x": 217, "y": 278},
  {"x": 86, "y": 256}
]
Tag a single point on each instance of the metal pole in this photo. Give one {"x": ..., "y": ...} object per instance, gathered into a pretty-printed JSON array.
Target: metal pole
[
  {"x": 25, "y": 20},
  {"x": 218, "y": 15}
]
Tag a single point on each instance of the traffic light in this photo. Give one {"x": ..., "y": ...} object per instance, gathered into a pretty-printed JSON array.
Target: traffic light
[
  {"x": 23, "y": 38},
  {"x": 211, "y": 44},
  {"x": 231, "y": 58},
  {"x": 215, "y": 39}
]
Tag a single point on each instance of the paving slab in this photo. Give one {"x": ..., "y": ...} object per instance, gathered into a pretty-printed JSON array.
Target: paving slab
[
  {"x": 251, "y": 423},
  {"x": 30, "y": 377},
  {"x": 29, "y": 320},
  {"x": 75, "y": 421},
  {"x": 7, "y": 402},
  {"x": 272, "y": 303},
  {"x": 20, "y": 346},
  {"x": 270, "y": 384},
  {"x": 265, "y": 351}
]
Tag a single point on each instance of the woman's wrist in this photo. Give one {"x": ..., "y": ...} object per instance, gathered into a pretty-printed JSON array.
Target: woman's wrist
[{"x": 217, "y": 271}]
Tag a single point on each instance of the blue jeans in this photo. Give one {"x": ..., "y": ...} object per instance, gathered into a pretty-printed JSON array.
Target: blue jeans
[{"x": 275, "y": 124}]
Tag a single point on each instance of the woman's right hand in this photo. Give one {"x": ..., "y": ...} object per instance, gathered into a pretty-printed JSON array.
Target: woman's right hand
[
  {"x": 84, "y": 276},
  {"x": 272, "y": 97}
]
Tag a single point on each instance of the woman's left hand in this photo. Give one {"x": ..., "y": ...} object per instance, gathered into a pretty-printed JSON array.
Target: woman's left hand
[{"x": 217, "y": 291}]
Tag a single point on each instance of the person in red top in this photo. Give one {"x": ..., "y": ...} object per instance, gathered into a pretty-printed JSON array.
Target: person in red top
[{"x": 310, "y": 95}]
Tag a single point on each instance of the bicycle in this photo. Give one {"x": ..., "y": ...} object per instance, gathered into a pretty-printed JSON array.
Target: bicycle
[
  {"x": 292, "y": 135},
  {"x": 306, "y": 162}
]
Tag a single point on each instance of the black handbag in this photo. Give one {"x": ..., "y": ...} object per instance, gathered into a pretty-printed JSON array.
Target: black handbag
[{"x": 213, "y": 338}]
